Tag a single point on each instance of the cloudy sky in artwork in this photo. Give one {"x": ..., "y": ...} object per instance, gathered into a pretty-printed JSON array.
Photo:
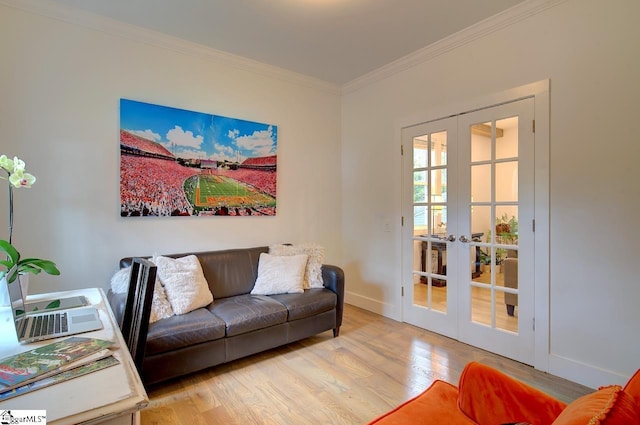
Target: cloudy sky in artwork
[{"x": 199, "y": 135}]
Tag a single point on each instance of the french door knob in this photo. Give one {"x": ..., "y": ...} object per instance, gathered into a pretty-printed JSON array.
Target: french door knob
[
  {"x": 464, "y": 239},
  {"x": 450, "y": 238}
]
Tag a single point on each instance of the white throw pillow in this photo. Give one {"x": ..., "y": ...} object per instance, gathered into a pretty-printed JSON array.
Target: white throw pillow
[
  {"x": 160, "y": 306},
  {"x": 280, "y": 274},
  {"x": 313, "y": 271},
  {"x": 184, "y": 281}
]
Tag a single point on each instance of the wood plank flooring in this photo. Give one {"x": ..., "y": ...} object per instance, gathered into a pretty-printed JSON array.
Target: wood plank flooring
[{"x": 375, "y": 364}]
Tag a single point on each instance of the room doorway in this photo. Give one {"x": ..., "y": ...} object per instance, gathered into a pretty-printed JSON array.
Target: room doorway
[{"x": 468, "y": 231}]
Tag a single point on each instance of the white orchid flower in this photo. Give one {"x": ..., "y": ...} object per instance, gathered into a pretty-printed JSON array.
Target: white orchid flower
[
  {"x": 6, "y": 163},
  {"x": 18, "y": 164},
  {"x": 21, "y": 179}
]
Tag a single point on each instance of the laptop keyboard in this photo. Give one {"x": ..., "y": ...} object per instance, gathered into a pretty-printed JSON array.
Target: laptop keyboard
[{"x": 46, "y": 324}]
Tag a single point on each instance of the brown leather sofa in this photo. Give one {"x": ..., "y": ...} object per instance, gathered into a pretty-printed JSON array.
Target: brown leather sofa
[{"x": 236, "y": 324}]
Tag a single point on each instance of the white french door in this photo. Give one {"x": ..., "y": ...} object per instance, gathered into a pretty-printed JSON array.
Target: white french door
[
  {"x": 468, "y": 257},
  {"x": 430, "y": 166}
]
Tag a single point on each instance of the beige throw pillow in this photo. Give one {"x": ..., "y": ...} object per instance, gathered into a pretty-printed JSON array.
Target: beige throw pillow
[
  {"x": 184, "y": 282},
  {"x": 313, "y": 270},
  {"x": 160, "y": 306},
  {"x": 280, "y": 274}
]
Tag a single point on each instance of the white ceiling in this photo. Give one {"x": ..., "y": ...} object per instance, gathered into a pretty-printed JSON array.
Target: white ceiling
[{"x": 335, "y": 41}]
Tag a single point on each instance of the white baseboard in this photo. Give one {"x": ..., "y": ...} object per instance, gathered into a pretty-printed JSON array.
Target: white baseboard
[
  {"x": 582, "y": 373},
  {"x": 373, "y": 305}
]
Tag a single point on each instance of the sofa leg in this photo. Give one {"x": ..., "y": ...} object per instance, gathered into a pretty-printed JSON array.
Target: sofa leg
[
  {"x": 336, "y": 331},
  {"x": 510, "y": 309}
]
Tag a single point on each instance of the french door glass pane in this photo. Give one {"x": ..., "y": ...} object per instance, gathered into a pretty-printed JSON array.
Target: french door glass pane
[
  {"x": 507, "y": 138},
  {"x": 481, "y": 183},
  {"x": 481, "y": 142},
  {"x": 420, "y": 152},
  {"x": 507, "y": 176},
  {"x": 506, "y": 224},
  {"x": 438, "y": 220},
  {"x": 439, "y": 149},
  {"x": 420, "y": 186},
  {"x": 481, "y": 305},
  {"x": 439, "y": 185},
  {"x": 420, "y": 214}
]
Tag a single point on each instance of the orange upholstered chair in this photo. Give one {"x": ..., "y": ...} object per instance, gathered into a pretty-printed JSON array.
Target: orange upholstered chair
[{"x": 486, "y": 396}]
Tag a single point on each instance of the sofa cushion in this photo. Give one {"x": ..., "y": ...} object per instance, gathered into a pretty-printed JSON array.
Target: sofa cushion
[
  {"x": 310, "y": 303},
  {"x": 246, "y": 313},
  {"x": 184, "y": 282},
  {"x": 491, "y": 397},
  {"x": 231, "y": 272},
  {"x": 184, "y": 330},
  {"x": 608, "y": 406},
  {"x": 280, "y": 274}
]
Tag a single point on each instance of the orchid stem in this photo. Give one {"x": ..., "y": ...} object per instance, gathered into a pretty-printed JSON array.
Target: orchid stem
[{"x": 10, "y": 212}]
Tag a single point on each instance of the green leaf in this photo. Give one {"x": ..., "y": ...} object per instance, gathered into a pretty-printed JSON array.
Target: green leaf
[
  {"x": 36, "y": 264},
  {"x": 11, "y": 252},
  {"x": 26, "y": 268},
  {"x": 53, "y": 304}
]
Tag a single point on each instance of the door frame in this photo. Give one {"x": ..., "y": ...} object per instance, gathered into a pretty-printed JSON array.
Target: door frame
[{"x": 539, "y": 91}]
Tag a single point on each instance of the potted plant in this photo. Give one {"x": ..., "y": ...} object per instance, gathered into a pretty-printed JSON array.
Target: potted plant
[
  {"x": 17, "y": 177},
  {"x": 507, "y": 229},
  {"x": 485, "y": 259}
]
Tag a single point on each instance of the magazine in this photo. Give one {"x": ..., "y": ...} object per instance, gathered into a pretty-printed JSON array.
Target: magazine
[
  {"x": 60, "y": 377},
  {"x": 49, "y": 359}
]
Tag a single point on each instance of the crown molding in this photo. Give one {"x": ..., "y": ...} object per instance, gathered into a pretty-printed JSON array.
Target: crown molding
[
  {"x": 494, "y": 23},
  {"x": 134, "y": 33}
]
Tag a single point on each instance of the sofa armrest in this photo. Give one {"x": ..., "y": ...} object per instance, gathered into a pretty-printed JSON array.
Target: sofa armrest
[
  {"x": 510, "y": 266},
  {"x": 490, "y": 397},
  {"x": 117, "y": 302},
  {"x": 333, "y": 278}
]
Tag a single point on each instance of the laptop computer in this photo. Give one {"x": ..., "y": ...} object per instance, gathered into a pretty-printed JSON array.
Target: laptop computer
[{"x": 37, "y": 326}]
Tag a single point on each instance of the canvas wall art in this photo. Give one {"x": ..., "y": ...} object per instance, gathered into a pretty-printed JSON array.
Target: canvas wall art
[{"x": 175, "y": 162}]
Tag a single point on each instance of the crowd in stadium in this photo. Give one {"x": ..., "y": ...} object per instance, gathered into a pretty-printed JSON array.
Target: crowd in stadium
[
  {"x": 141, "y": 144},
  {"x": 263, "y": 161},
  {"x": 265, "y": 181},
  {"x": 150, "y": 186}
]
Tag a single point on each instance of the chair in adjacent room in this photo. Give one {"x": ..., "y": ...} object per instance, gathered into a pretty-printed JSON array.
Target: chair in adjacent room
[
  {"x": 510, "y": 266},
  {"x": 137, "y": 311}
]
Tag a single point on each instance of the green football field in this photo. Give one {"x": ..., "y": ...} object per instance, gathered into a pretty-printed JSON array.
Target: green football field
[
  {"x": 220, "y": 186},
  {"x": 205, "y": 191}
]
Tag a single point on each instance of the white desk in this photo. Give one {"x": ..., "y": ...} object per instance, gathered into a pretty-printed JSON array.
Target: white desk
[{"x": 109, "y": 396}]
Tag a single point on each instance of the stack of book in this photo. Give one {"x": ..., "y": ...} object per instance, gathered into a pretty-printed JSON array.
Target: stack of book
[{"x": 53, "y": 363}]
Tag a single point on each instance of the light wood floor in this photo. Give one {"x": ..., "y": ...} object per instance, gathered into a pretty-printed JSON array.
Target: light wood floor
[
  {"x": 375, "y": 364},
  {"x": 481, "y": 302}
]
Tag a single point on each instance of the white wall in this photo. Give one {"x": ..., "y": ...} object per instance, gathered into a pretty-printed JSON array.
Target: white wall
[
  {"x": 589, "y": 50},
  {"x": 60, "y": 85}
]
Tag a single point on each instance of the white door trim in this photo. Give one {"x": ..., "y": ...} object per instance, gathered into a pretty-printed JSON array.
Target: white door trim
[{"x": 540, "y": 92}]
